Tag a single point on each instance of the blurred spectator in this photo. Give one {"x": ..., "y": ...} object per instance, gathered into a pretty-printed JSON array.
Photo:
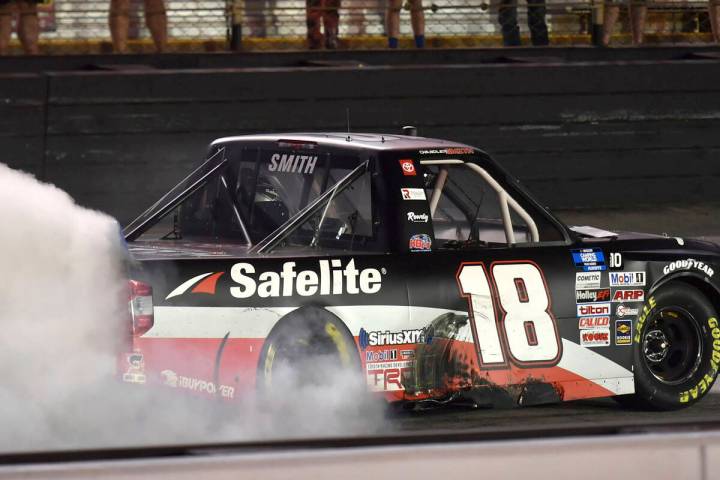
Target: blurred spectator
[
  {"x": 155, "y": 18},
  {"x": 507, "y": 17},
  {"x": 417, "y": 20},
  {"x": 28, "y": 29},
  {"x": 327, "y": 12},
  {"x": 638, "y": 12},
  {"x": 259, "y": 16}
]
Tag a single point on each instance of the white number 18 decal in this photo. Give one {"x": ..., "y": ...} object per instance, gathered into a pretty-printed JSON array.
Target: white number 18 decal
[{"x": 524, "y": 330}]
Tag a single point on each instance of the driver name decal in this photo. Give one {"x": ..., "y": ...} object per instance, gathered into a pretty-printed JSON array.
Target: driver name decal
[{"x": 289, "y": 163}]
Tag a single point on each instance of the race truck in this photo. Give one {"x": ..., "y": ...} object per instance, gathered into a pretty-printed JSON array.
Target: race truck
[{"x": 420, "y": 266}]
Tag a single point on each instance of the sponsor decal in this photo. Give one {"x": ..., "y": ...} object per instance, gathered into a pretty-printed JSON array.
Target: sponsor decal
[
  {"x": 448, "y": 151},
  {"x": 417, "y": 217},
  {"x": 380, "y": 355},
  {"x": 408, "y": 168},
  {"x": 623, "y": 332},
  {"x": 709, "y": 378},
  {"x": 595, "y": 337},
  {"x": 291, "y": 163},
  {"x": 593, "y": 322},
  {"x": 420, "y": 243},
  {"x": 204, "y": 283},
  {"x": 170, "y": 378},
  {"x": 592, "y": 295},
  {"x": 413, "y": 194},
  {"x": 587, "y": 279},
  {"x": 689, "y": 264},
  {"x": 135, "y": 372},
  {"x": 589, "y": 259},
  {"x": 405, "y": 354},
  {"x": 379, "y": 339},
  {"x": 627, "y": 279},
  {"x": 593, "y": 309},
  {"x": 629, "y": 296},
  {"x": 641, "y": 319},
  {"x": 173, "y": 380},
  {"x": 388, "y": 376},
  {"x": 459, "y": 151},
  {"x": 623, "y": 311},
  {"x": 330, "y": 278}
]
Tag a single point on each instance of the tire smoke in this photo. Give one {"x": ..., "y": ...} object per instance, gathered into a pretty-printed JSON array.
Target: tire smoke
[{"x": 63, "y": 308}]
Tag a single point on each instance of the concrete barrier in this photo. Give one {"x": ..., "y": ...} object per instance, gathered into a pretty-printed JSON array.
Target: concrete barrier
[{"x": 687, "y": 456}]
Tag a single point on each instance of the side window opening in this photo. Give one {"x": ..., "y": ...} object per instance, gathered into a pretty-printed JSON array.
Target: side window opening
[
  {"x": 467, "y": 209},
  {"x": 345, "y": 221}
]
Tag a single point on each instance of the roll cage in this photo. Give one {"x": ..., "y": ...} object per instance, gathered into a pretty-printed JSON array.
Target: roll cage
[{"x": 215, "y": 167}]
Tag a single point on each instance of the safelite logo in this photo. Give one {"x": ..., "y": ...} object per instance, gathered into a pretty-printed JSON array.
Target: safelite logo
[{"x": 327, "y": 277}]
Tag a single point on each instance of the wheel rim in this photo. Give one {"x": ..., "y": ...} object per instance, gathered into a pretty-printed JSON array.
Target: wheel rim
[
  {"x": 301, "y": 356},
  {"x": 672, "y": 345}
]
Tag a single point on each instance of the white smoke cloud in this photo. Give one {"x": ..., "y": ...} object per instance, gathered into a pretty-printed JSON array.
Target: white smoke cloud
[{"x": 63, "y": 312}]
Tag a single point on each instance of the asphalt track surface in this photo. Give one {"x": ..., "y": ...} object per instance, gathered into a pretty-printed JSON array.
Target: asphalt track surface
[{"x": 580, "y": 413}]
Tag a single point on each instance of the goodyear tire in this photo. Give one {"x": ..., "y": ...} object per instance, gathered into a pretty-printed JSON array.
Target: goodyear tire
[
  {"x": 306, "y": 347},
  {"x": 676, "y": 349}
]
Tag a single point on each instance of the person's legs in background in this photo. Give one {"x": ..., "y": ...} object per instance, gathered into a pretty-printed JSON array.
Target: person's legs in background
[
  {"x": 417, "y": 20},
  {"x": 313, "y": 12},
  {"x": 331, "y": 21},
  {"x": 6, "y": 16},
  {"x": 507, "y": 17},
  {"x": 119, "y": 24},
  {"x": 638, "y": 14},
  {"x": 536, "y": 22},
  {"x": 28, "y": 26},
  {"x": 714, "y": 13},
  {"x": 156, "y": 20},
  {"x": 392, "y": 21},
  {"x": 612, "y": 11}
]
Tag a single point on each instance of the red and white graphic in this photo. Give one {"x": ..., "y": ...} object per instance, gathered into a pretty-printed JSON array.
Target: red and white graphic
[
  {"x": 593, "y": 309},
  {"x": 413, "y": 194},
  {"x": 595, "y": 337},
  {"x": 408, "y": 167},
  {"x": 593, "y": 322},
  {"x": 629, "y": 296},
  {"x": 623, "y": 311},
  {"x": 205, "y": 283},
  {"x": 388, "y": 376}
]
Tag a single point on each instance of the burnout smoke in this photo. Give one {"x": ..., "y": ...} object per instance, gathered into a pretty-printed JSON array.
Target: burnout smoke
[{"x": 63, "y": 308}]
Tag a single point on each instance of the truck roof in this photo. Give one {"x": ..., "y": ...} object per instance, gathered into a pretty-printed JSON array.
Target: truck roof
[{"x": 371, "y": 141}]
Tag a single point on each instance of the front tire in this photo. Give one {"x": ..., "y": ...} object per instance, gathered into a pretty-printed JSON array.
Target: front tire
[{"x": 676, "y": 349}]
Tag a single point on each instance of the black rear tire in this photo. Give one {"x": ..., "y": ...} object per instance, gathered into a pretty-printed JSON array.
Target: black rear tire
[
  {"x": 307, "y": 347},
  {"x": 676, "y": 350}
]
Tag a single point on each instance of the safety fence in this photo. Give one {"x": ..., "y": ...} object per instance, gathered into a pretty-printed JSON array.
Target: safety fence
[{"x": 81, "y": 26}]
